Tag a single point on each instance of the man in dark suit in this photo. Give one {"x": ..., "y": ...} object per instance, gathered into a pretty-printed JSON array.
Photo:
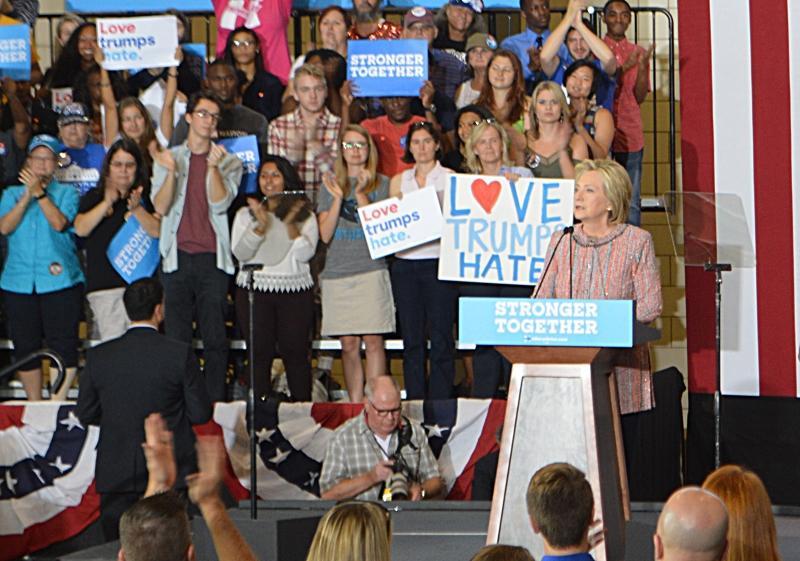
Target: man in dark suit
[{"x": 124, "y": 381}]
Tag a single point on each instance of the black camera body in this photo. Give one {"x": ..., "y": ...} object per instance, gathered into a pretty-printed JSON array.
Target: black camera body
[{"x": 397, "y": 487}]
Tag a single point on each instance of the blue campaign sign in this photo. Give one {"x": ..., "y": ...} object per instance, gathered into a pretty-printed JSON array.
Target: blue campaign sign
[
  {"x": 545, "y": 323},
  {"x": 387, "y": 67},
  {"x": 246, "y": 149},
  {"x": 15, "y": 51},
  {"x": 150, "y": 6},
  {"x": 133, "y": 252}
]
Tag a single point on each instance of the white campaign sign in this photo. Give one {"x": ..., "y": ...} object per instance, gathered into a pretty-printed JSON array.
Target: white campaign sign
[
  {"x": 395, "y": 224},
  {"x": 497, "y": 231},
  {"x": 147, "y": 42}
]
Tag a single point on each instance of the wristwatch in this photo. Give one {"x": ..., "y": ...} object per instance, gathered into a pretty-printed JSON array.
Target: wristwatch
[{"x": 40, "y": 197}]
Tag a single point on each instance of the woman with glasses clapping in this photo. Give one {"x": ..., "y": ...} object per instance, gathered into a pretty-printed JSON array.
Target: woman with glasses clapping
[{"x": 357, "y": 302}]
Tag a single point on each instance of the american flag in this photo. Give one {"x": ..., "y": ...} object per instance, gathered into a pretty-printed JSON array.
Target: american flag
[
  {"x": 47, "y": 458},
  {"x": 740, "y": 109},
  {"x": 46, "y": 477}
]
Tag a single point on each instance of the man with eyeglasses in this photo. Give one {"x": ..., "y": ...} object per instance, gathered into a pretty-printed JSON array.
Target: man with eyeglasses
[
  {"x": 193, "y": 185},
  {"x": 359, "y": 459},
  {"x": 235, "y": 119},
  {"x": 308, "y": 136}
]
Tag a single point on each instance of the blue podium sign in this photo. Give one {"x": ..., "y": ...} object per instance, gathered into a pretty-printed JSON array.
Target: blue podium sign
[{"x": 545, "y": 323}]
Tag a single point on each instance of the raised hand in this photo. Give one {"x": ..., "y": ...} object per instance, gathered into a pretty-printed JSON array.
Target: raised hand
[
  {"x": 204, "y": 485},
  {"x": 216, "y": 154},
  {"x": 329, "y": 181},
  {"x": 32, "y": 182},
  {"x": 159, "y": 454},
  {"x": 135, "y": 197},
  {"x": 161, "y": 156},
  {"x": 362, "y": 180},
  {"x": 260, "y": 213}
]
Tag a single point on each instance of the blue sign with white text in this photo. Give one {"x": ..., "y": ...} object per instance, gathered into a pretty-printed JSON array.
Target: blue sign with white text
[
  {"x": 387, "y": 67},
  {"x": 133, "y": 252},
  {"x": 246, "y": 149},
  {"x": 545, "y": 322},
  {"x": 15, "y": 51}
]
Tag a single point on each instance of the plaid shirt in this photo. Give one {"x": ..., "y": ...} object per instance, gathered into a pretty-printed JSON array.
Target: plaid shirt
[
  {"x": 286, "y": 137},
  {"x": 354, "y": 451}
]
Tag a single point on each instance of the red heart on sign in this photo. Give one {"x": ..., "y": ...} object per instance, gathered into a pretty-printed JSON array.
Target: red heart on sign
[{"x": 486, "y": 193}]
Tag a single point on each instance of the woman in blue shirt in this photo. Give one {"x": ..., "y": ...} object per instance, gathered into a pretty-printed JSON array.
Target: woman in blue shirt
[{"x": 42, "y": 282}]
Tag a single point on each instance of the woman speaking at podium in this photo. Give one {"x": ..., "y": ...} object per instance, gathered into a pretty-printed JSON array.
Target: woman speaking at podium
[{"x": 605, "y": 258}]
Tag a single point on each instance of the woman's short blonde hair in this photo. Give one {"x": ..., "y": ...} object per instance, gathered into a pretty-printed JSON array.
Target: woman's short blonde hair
[
  {"x": 353, "y": 531},
  {"x": 616, "y": 185},
  {"x": 558, "y": 93},
  {"x": 470, "y": 158}
]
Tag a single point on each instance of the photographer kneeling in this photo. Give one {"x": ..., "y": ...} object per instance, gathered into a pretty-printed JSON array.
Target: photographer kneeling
[{"x": 380, "y": 455}]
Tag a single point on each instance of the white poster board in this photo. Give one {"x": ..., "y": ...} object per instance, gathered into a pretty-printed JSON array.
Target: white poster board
[
  {"x": 395, "y": 224},
  {"x": 146, "y": 42},
  {"x": 497, "y": 231}
]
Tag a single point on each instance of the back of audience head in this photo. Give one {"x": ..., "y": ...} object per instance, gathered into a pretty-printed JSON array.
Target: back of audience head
[
  {"x": 353, "y": 531},
  {"x": 156, "y": 528},
  {"x": 693, "y": 526},
  {"x": 751, "y": 526},
  {"x": 561, "y": 506},
  {"x": 143, "y": 298},
  {"x": 501, "y": 552}
]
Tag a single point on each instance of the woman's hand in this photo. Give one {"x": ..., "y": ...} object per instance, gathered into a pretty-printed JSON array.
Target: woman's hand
[
  {"x": 578, "y": 107},
  {"x": 135, "y": 198},
  {"x": 110, "y": 196},
  {"x": 362, "y": 180},
  {"x": 564, "y": 135},
  {"x": 329, "y": 181},
  {"x": 261, "y": 214},
  {"x": 179, "y": 54},
  {"x": 99, "y": 55},
  {"x": 160, "y": 156},
  {"x": 346, "y": 93},
  {"x": 291, "y": 216}
]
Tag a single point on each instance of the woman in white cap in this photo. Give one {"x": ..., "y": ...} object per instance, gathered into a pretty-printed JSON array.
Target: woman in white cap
[
  {"x": 42, "y": 281},
  {"x": 480, "y": 47}
]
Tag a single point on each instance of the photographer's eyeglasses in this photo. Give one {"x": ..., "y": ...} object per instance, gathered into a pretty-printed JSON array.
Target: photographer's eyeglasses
[
  {"x": 386, "y": 412},
  {"x": 354, "y": 145}
]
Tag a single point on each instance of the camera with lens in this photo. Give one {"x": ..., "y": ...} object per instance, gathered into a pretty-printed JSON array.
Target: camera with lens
[{"x": 396, "y": 488}]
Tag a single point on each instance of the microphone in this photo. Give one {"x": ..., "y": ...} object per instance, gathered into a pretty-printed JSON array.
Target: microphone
[
  {"x": 564, "y": 232},
  {"x": 569, "y": 230}
]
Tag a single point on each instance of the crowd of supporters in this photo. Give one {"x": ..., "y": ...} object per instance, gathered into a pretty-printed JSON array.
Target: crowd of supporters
[{"x": 148, "y": 145}]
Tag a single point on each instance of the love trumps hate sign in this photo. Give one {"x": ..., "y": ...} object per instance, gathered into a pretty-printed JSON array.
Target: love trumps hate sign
[
  {"x": 145, "y": 42},
  {"x": 497, "y": 231},
  {"x": 394, "y": 224}
]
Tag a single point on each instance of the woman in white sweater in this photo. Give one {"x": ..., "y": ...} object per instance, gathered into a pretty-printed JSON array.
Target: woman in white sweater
[{"x": 277, "y": 230}]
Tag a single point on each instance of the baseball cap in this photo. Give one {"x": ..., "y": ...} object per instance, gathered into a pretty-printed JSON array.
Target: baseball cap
[
  {"x": 73, "y": 113},
  {"x": 481, "y": 40},
  {"x": 418, "y": 14},
  {"x": 474, "y": 5},
  {"x": 47, "y": 141}
]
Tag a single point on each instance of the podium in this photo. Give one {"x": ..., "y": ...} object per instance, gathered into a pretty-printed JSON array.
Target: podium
[{"x": 562, "y": 407}]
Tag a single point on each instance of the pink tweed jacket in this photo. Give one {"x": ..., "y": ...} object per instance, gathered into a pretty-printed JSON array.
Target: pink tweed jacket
[{"x": 620, "y": 266}]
